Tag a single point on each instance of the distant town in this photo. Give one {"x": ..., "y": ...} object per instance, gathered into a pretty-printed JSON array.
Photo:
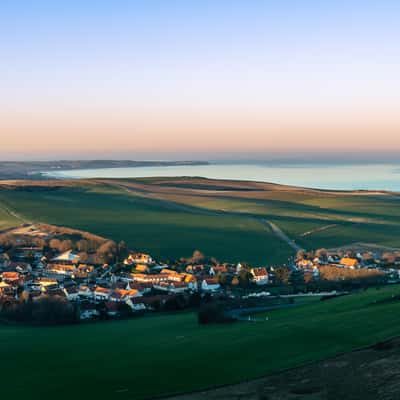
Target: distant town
[{"x": 56, "y": 274}]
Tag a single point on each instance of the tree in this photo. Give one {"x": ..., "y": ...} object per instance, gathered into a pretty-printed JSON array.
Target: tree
[
  {"x": 235, "y": 281},
  {"x": 223, "y": 279},
  {"x": 106, "y": 253},
  {"x": 214, "y": 261},
  {"x": 83, "y": 257},
  {"x": 296, "y": 279},
  {"x": 213, "y": 313},
  {"x": 301, "y": 255},
  {"x": 368, "y": 258},
  {"x": 122, "y": 250},
  {"x": 322, "y": 254},
  {"x": 331, "y": 273},
  {"x": 65, "y": 245},
  {"x": 82, "y": 245},
  {"x": 308, "y": 277},
  {"x": 282, "y": 275},
  {"x": 245, "y": 277},
  {"x": 197, "y": 257},
  {"x": 39, "y": 242},
  {"x": 55, "y": 244},
  {"x": 45, "y": 310},
  {"x": 389, "y": 258},
  {"x": 7, "y": 241},
  {"x": 350, "y": 253}
]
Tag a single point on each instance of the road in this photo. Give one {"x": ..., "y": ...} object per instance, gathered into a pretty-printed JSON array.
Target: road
[{"x": 282, "y": 235}]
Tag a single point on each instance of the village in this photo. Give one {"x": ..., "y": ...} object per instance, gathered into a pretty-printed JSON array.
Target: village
[{"x": 109, "y": 280}]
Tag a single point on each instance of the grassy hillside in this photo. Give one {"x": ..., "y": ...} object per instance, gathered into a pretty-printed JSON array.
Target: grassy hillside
[
  {"x": 7, "y": 219},
  {"x": 150, "y": 224},
  {"x": 140, "y": 358},
  {"x": 171, "y": 217}
]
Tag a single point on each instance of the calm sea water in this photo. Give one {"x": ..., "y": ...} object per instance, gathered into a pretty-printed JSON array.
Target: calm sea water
[{"x": 365, "y": 176}]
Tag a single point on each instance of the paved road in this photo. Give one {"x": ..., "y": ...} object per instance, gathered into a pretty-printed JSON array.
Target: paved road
[{"x": 282, "y": 235}]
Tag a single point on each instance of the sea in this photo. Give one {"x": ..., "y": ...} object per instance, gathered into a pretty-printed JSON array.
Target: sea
[{"x": 334, "y": 176}]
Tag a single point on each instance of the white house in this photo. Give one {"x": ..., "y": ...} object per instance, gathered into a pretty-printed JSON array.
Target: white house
[
  {"x": 101, "y": 293},
  {"x": 121, "y": 295},
  {"x": 67, "y": 257},
  {"x": 85, "y": 291},
  {"x": 72, "y": 293},
  {"x": 210, "y": 285},
  {"x": 136, "y": 306},
  {"x": 260, "y": 275},
  {"x": 138, "y": 258},
  {"x": 89, "y": 313},
  {"x": 175, "y": 287}
]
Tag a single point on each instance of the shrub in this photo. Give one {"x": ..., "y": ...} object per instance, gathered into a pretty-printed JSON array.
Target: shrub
[
  {"x": 213, "y": 313},
  {"x": 47, "y": 310}
]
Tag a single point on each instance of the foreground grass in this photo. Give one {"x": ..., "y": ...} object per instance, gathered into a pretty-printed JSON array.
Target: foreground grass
[{"x": 152, "y": 356}]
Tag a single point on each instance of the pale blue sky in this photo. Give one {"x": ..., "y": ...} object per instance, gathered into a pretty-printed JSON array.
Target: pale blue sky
[{"x": 159, "y": 68}]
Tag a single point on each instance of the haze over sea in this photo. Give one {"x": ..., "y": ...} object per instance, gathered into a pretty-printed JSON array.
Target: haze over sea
[{"x": 337, "y": 176}]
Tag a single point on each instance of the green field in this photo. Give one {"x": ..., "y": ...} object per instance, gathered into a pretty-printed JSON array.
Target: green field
[
  {"x": 150, "y": 225},
  {"x": 172, "y": 217},
  {"x": 7, "y": 220},
  {"x": 137, "y": 359}
]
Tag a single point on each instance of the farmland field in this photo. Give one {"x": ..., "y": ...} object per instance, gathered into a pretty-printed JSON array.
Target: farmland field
[
  {"x": 7, "y": 220},
  {"x": 149, "y": 224},
  {"x": 140, "y": 358},
  {"x": 172, "y": 217}
]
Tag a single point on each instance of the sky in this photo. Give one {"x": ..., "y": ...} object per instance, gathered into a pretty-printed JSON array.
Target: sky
[{"x": 200, "y": 79}]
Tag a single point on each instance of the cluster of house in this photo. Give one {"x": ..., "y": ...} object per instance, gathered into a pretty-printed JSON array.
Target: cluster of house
[
  {"x": 312, "y": 266},
  {"x": 139, "y": 283},
  {"x": 390, "y": 264}
]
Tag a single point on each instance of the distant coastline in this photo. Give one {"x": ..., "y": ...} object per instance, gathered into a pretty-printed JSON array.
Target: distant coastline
[
  {"x": 327, "y": 176},
  {"x": 34, "y": 170}
]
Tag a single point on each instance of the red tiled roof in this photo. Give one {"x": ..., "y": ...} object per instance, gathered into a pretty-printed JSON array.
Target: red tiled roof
[
  {"x": 211, "y": 281},
  {"x": 102, "y": 290},
  {"x": 260, "y": 272},
  {"x": 150, "y": 300},
  {"x": 10, "y": 275},
  {"x": 220, "y": 268}
]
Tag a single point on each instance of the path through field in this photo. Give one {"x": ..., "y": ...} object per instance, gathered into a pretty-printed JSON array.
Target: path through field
[
  {"x": 281, "y": 235},
  {"x": 275, "y": 229}
]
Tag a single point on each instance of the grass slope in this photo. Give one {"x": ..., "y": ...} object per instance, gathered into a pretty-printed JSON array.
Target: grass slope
[
  {"x": 150, "y": 224},
  {"x": 366, "y": 216},
  {"x": 171, "y": 217},
  {"x": 7, "y": 219},
  {"x": 137, "y": 359}
]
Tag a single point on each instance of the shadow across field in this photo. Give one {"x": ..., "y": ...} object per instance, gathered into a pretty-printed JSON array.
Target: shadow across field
[{"x": 172, "y": 217}]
